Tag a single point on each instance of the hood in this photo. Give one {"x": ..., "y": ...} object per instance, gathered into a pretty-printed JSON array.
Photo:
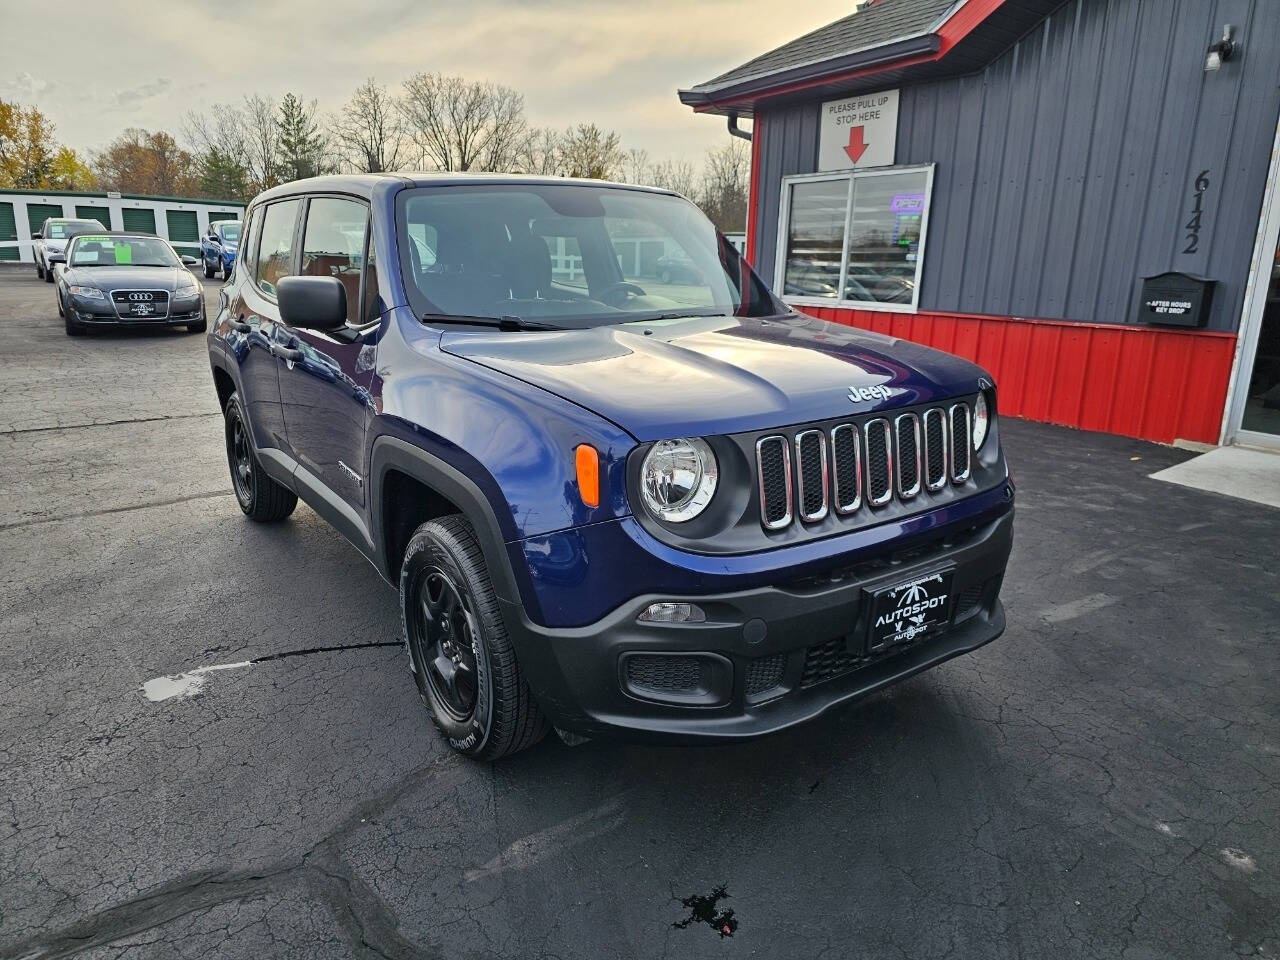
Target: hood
[
  {"x": 714, "y": 375},
  {"x": 120, "y": 278}
]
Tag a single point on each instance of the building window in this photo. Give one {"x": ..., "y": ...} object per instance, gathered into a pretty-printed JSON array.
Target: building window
[{"x": 854, "y": 238}]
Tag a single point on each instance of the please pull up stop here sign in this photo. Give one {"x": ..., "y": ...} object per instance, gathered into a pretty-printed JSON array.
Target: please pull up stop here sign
[{"x": 859, "y": 131}]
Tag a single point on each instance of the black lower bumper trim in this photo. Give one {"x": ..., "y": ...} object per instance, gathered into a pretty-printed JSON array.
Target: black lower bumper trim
[{"x": 812, "y": 656}]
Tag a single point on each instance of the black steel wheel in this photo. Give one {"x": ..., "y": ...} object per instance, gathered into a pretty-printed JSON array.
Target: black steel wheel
[
  {"x": 443, "y": 633},
  {"x": 462, "y": 659},
  {"x": 260, "y": 497}
]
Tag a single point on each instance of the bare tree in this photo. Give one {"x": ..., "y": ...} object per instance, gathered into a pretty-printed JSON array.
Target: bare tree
[
  {"x": 675, "y": 175},
  {"x": 368, "y": 132},
  {"x": 261, "y": 141},
  {"x": 540, "y": 154},
  {"x": 588, "y": 151},
  {"x": 725, "y": 177},
  {"x": 465, "y": 125},
  {"x": 635, "y": 167}
]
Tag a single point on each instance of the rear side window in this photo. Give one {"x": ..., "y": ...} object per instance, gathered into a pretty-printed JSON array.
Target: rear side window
[
  {"x": 333, "y": 245},
  {"x": 248, "y": 259},
  {"x": 275, "y": 249}
]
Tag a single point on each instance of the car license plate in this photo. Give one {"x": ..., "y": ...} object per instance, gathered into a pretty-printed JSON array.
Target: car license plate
[
  {"x": 142, "y": 309},
  {"x": 910, "y": 610}
]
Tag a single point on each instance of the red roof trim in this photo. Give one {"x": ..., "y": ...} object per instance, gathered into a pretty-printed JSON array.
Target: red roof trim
[{"x": 957, "y": 27}]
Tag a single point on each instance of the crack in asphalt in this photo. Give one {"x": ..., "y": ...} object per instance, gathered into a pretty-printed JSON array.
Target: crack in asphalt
[
  {"x": 370, "y": 925},
  {"x": 105, "y": 423},
  {"x": 307, "y": 651},
  {"x": 109, "y": 510}
]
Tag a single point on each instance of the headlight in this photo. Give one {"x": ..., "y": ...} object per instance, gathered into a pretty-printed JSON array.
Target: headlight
[
  {"x": 678, "y": 478},
  {"x": 981, "y": 420},
  {"x": 89, "y": 293}
]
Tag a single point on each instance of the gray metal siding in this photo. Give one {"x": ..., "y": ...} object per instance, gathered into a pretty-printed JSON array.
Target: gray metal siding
[{"x": 1065, "y": 169}]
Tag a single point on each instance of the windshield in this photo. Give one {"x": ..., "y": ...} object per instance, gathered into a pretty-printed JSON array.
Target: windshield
[
  {"x": 60, "y": 231},
  {"x": 570, "y": 255},
  {"x": 93, "y": 251},
  {"x": 230, "y": 232}
]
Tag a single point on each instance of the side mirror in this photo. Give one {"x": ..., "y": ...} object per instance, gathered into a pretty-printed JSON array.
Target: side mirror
[
  {"x": 312, "y": 303},
  {"x": 37, "y": 236},
  {"x": 56, "y": 258},
  {"x": 188, "y": 260}
]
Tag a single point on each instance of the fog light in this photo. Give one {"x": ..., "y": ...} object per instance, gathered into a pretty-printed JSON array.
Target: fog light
[{"x": 668, "y": 612}]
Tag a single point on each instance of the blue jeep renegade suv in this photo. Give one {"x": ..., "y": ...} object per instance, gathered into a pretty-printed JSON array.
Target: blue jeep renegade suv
[{"x": 614, "y": 499}]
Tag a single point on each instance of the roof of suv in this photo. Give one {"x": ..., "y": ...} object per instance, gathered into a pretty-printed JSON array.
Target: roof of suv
[{"x": 363, "y": 184}]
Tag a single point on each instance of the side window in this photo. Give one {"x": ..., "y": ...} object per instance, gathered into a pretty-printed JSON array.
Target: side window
[
  {"x": 333, "y": 245},
  {"x": 372, "y": 306},
  {"x": 248, "y": 258},
  {"x": 275, "y": 249}
]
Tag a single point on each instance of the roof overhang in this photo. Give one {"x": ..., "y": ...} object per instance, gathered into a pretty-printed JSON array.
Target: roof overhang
[{"x": 967, "y": 38}]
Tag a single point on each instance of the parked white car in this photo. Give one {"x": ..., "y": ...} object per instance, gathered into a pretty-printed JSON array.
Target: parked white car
[{"x": 51, "y": 242}]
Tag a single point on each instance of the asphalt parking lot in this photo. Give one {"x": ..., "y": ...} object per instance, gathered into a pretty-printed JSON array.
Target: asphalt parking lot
[{"x": 1103, "y": 781}]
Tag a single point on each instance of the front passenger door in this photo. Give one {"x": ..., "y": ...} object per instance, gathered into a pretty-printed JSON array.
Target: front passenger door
[{"x": 324, "y": 388}]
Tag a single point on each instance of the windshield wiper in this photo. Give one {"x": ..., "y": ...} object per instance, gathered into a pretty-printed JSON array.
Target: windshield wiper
[
  {"x": 675, "y": 315},
  {"x": 505, "y": 322}
]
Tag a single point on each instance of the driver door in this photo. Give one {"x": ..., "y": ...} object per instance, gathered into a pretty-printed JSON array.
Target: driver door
[{"x": 324, "y": 386}]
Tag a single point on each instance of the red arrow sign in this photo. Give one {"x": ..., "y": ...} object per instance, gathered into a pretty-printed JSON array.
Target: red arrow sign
[{"x": 857, "y": 146}]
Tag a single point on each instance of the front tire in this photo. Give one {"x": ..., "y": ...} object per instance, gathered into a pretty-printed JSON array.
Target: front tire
[
  {"x": 463, "y": 662},
  {"x": 260, "y": 497},
  {"x": 199, "y": 326},
  {"x": 208, "y": 270},
  {"x": 74, "y": 327},
  {"x": 48, "y": 274},
  {"x": 39, "y": 270}
]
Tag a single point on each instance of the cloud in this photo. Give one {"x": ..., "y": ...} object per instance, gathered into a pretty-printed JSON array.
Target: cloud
[
  {"x": 25, "y": 87},
  {"x": 127, "y": 98}
]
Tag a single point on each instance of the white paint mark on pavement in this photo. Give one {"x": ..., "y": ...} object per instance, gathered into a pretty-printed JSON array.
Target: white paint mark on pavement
[
  {"x": 1077, "y": 608},
  {"x": 187, "y": 684},
  {"x": 527, "y": 851},
  {"x": 1165, "y": 828},
  {"x": 1239, "y": 859}
]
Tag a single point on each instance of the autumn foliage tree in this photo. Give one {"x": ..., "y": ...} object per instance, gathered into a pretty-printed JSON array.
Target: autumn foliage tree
[
  {"x": 140, "y": 161},
  {"x": 30, "y": 158}
]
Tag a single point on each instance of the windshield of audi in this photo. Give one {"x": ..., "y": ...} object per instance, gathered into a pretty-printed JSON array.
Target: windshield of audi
[
  {"x": 91, "y": 251},
  {"x": 571, "y": 255}
]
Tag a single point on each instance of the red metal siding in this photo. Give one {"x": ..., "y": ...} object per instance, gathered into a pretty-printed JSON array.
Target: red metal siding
[{"x": 1144, "y": 382}]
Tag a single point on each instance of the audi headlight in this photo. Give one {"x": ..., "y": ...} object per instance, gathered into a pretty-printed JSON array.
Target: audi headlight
[
  {"x": 88, "y": 293},
  {"x": 981, "y": 421},
  {"x": 678, "y": 478}
]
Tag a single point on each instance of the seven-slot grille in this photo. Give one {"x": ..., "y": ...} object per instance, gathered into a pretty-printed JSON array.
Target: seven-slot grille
[{"x": 850, "y": 467}]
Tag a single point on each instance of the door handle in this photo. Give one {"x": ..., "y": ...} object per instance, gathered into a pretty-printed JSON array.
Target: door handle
[
  {"x": 285, "y": 353},
  {"x": 239, "y": 326}
]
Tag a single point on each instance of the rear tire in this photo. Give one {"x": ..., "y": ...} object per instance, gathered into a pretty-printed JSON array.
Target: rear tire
[
  {"x": 260, "y": 497},
  {"x": 453, "y": 627}
]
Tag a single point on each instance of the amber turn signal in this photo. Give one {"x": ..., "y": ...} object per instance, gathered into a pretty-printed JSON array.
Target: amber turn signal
[{"x": 588, "y": 463}]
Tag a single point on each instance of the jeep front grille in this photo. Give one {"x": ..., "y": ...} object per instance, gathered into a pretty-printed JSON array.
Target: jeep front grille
[{"x": 851, "y": 467}]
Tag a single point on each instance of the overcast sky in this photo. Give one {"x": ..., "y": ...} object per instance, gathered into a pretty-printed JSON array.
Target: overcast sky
[{"x": 121, "y": 63}]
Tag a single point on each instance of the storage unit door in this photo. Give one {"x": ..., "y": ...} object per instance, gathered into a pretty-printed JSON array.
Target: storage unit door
[
  {"x": 101, "y": 214},
  {"x": 8, "y": 233},
  {"x": 139, "y": 221},
  {"x": 184, "y": 231},
  {"x": 38, "y": 213}
]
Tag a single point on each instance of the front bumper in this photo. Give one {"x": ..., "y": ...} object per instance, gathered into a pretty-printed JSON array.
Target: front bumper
[
  {"x": 768, "y": 657},
  {"x": 101, "y": 313}
]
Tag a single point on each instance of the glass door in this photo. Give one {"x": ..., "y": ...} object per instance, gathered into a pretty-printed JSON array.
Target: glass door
[{"x": 1262, "y": 393}]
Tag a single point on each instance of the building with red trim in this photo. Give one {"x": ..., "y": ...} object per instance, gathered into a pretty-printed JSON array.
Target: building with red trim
[{"x": 1081, "y": 196}]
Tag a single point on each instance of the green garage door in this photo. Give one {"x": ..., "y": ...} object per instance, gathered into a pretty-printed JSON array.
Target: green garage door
[
  {"x": 184, "y": 231},
  {"x": 8, "y": 232},
  {"x": 101, "y": 214},
  {"x": 139, "y": 221},
  {"x": 215, "y": 217},
  {"x": 38, "y": 213}
]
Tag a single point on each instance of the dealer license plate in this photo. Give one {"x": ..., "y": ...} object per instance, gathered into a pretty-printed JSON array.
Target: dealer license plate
[
  {"x": 910, "y": 610},
  {"x": 142, "y": 309}
]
